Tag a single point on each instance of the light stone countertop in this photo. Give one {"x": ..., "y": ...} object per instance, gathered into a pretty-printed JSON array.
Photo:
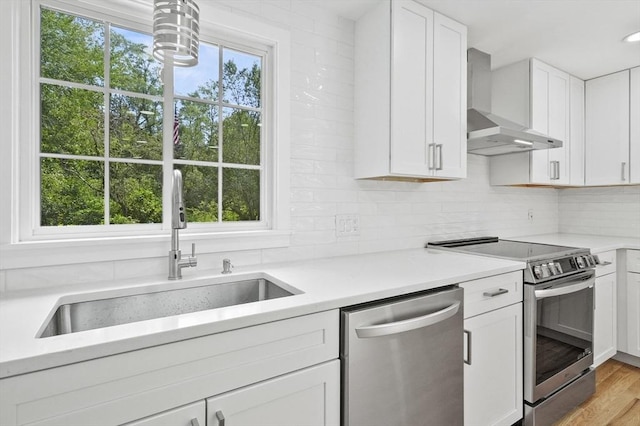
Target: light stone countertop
[
  {"x": 326, "y": 284},
  {"x": 596, "y": 243}
]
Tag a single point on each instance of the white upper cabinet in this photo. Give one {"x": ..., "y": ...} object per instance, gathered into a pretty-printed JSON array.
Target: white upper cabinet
[
  {"x": 634, "y": 123},
  {"x": 576, "y": 132},
  {"x": 550, "y": 114},
  {"x": 548, "y": 101},
  {"x": 410, "y": 94},
  {"x": 607, "y": 130}
]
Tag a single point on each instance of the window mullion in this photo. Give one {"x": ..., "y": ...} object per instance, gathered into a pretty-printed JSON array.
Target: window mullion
[
  {"x": 168, "y": 117},
  {"x": 107, "y": 130},
  {"x": 220, "y": 128}
]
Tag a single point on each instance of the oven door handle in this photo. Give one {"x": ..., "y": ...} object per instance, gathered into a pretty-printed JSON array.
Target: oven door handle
[{"x": 566, "y": 289}]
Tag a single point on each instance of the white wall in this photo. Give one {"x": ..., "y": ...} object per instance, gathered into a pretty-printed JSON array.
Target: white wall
[{"x": 600, "y": 211}]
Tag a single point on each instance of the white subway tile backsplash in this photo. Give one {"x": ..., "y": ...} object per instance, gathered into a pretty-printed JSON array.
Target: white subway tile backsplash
[
  {"x": 600, "y": 211},
  {"x": 32, "y": 278}
]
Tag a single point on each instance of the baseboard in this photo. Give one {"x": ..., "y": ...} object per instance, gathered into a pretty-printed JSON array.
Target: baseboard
[{"x": 627, "y": 359}]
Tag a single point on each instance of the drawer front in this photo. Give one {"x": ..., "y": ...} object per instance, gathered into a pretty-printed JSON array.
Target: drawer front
[
  {"x": 633, "y": 261},
  {"x": 487, "y": 294},
  {"x": 607, "y": 263},
  {"x": 189, "y": 415},
  {"x": 130, "y": 386}
]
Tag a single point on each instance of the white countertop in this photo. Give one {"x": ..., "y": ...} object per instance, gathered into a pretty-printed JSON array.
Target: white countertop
[
  {"x": 325, "y": 284},
  {"x": 596, "y": 243}
]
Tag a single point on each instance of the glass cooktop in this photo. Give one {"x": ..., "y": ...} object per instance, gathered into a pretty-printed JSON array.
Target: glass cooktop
[{"x": 507, "y": 249}]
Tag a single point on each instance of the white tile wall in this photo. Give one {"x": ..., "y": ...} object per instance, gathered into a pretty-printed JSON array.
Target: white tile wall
[
  {"x": 601, "y": 211},
  {"x": 393, "y": 215}
]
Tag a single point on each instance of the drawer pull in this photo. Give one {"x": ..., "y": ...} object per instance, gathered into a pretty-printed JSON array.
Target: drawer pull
[
  {"x": 498, "y": 292},
  {"x": 605, "y": 264},
  {"x": 220, "y": 418},
  {"x": 194, "y": 422}
]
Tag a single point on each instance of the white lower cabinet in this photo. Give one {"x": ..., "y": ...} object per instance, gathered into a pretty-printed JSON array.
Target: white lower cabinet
[
  {"x": 289, "y": 366},
  {"x": 308, "y": 397},
  {"x": 605, "y": 309},
  {"x": 633, "y": 302},
  {"x": 493, "y": 393},
  {"x": 604, "y": 334}
]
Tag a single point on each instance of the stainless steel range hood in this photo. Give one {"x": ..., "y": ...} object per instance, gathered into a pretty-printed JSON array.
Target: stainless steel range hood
[{"x": 489, "y": 134}]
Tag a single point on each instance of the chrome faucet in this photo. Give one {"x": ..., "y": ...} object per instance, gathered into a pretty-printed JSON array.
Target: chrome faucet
[{"x": 178, "y": 221}]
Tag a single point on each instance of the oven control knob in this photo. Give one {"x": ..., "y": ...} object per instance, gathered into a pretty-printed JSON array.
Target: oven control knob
[
  {"x": 596, "y": 259},
  {"x": 580, "y": 261},
  {"x": 552, "y": 268},
  {"x": 558, "y": 268},
  {"x": 537, "y": 271},
  {"x": 545, "y": 270}
]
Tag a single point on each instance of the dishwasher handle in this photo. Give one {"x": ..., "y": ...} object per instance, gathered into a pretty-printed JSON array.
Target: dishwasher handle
[{"x": 408, "y": 324}]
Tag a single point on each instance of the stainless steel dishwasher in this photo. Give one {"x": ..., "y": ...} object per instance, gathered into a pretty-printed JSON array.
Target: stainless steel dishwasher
[{"x": 402, "y": 361}]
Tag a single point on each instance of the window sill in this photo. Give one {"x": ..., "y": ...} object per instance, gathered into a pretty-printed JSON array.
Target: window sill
[{"x": 64, "y": 252}]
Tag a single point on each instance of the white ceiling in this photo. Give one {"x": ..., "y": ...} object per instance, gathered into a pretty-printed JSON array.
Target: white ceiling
[{"x": 581, "y": 37}]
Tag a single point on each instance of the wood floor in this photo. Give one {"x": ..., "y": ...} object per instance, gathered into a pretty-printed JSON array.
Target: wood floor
[{"x": 616, "y": 401}]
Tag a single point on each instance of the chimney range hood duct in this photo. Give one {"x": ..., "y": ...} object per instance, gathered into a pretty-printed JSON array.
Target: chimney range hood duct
[{"x": 489, "y": 134}]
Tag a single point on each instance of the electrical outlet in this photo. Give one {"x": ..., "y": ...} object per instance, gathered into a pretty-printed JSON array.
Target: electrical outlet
[
  {"x": 530, "y": 215},
  {"x": 347, "y": 225}
]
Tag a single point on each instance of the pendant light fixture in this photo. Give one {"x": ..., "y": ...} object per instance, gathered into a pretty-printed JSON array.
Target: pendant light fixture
[{"x": 176, "y": 31}]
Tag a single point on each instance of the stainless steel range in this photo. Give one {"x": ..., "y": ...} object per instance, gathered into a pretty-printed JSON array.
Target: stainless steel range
[{"x": 558, "y": 321}]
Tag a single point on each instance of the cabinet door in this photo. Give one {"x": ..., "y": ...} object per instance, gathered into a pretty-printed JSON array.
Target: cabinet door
[
  {"x": 607, "y": 130},
  {"x": 633, "y": 313},
  {"x": 307, "y": 397},
  {"x": 493, "y": 367},
  {"x": 450, "y": 97},
  {"x": 550, "y": 114},
  {"x": 605, "y": 329},
  {"x": 411, "y": 89},
  {"x": 189, "y": 415},
  {"x": 576, "y": 132},
  {"x": 634, "y": 130}
]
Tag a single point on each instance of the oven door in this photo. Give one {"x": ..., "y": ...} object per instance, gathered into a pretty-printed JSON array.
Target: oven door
[{"x": 558, "y": 321}]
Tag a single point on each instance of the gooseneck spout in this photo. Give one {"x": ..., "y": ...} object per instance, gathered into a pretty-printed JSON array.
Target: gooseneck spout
[
  {"x": 178, "y": 216},
  {"x": 178, "y": 221}
]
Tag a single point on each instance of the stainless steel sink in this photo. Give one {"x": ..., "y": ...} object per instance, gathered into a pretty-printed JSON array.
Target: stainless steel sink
[{"x": 107, "y": 312}]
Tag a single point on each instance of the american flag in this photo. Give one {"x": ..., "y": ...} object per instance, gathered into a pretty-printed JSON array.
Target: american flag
[{"x": 176, "y": 128}]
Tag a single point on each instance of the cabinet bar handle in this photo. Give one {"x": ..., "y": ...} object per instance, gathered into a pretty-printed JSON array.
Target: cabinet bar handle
[
  {"x": 220, "y": 418},
  {"x": 439, "y": 156},
  {"x": 555, "y": 170},
  {"x": 194, "y": 422},
  {"x": 498, "y": 292},
  {"x": 468, "y": 359},
  {"x": 432, "y": 154},
  {"x": 623, "y": 175}
]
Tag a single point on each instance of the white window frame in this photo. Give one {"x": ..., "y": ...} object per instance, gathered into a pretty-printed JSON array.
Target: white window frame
[{"x": 22, "y": 245}]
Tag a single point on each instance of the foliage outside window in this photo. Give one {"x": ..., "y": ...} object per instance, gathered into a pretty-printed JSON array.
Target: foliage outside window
[{"x": 103, "y": 152}]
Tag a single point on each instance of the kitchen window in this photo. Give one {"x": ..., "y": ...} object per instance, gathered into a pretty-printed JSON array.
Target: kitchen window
[
  {"x": 103, "y": 132},
  {"x": 97, "y": 126}
]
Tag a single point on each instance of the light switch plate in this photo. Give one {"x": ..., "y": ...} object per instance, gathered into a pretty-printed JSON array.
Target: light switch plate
[{"x": 347, "y": 225}]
